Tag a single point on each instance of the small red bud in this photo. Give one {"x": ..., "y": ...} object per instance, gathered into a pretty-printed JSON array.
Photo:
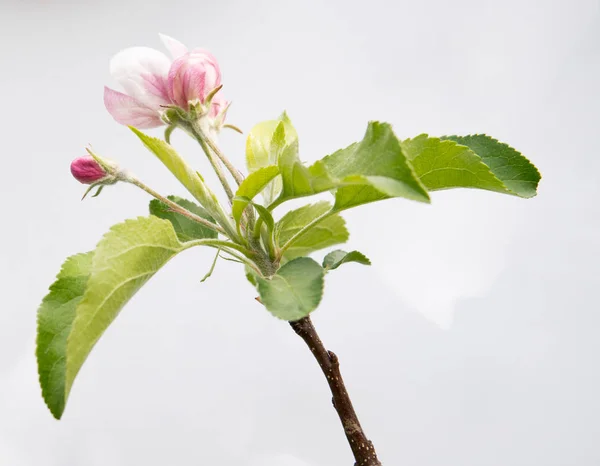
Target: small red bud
[{"x": 86, "y": 170}]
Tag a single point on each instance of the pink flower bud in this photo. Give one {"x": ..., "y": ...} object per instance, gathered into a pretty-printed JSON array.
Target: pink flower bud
[
  {"x": 86, "y": 170},
  {"x": 192, "y": 77}
]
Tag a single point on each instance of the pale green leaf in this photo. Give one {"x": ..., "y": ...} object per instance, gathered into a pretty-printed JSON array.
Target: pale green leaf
[
  {"x": 124, "y": 260},
  {"x": 375, "y": 168},
  {"x": 187, "y": 176},
  {"x": 328, "y": 232},
  {"x": 517, "y": 173},
  {"x": 55, "y": 318},
  {"x": 336, "y": 258},
  {"x": 264, "y": 145},
  {"x": 250, "y": 187},
  {"x": 299, "y": 180},
  {"x": 294, "y": 291},
  {"x": 262, "y": 211},
  {"x": 186, "y": 228}
]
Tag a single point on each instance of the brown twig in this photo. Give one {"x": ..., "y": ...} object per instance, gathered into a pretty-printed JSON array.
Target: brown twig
[{"x": 362, "y": 447}]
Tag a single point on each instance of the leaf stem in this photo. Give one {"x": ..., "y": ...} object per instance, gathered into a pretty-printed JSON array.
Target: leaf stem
[
  {"x": 241, "y": 259},
  {"x": 174, "y": 206},
  {"x": 362, "y": 448},
  {"x": 217, "y": 243}
]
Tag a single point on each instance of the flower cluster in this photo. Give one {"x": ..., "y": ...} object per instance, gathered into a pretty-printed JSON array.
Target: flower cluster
[{"x": 153, "y": 83}]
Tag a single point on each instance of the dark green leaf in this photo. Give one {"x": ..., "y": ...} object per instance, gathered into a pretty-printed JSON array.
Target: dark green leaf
[
  {"x": 517, "y": 173},
  {"x": 185, "y": 227},
  {"x": 55, "y": 318}
]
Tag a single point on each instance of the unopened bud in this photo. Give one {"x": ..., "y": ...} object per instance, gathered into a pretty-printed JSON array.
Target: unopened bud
[
  {"x": 96, "y": 171},
  {"x": 87, "y": 170}
]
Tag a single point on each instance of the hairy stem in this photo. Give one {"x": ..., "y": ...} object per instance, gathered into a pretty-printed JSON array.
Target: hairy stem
[
  {"x": 201, "y": 138},
  {"x": 362, "y": 448},
  {"x": 200, "y": 133},
  {"x": 174, "y": 206}
]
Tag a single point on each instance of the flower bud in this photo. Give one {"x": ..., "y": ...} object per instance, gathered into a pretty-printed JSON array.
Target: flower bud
[
  {"x": 192, "y": 77},
  {"x": 87, "y": 170}
]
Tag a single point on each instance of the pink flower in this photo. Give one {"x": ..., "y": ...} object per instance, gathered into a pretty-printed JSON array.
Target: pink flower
[
  {"x": 152, "y": 82},
  {"x": 86, "y": 170}
]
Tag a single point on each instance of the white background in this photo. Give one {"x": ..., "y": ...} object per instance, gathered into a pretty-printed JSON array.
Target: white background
[{"x": 471, "y": 341}]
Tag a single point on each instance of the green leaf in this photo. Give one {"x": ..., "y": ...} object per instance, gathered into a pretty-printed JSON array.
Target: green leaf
[
  {"x": 262, "y": 211},
  {"x": 294, "y": 291},
  {"x": 264, "y": 144},
  {"x": 517, "y": 173},
  {"x": 330, "y": 231},
  {"x": 336, "y": 258},
  {"x": 250, "y": 187},
  {"x": 55, "y": 318},
  {"x": 192, "y": 180},
  {"x": 124, "y": 260},
  {"x": 186, "y": 228},
  {"x": 446, "y": 164},
  {"x": 299, "y": 180},
  {"x": 375, "y": 168}
]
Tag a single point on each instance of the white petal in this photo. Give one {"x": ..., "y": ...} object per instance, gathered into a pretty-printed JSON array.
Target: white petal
[
  {"x": 142, "y": 72},
  {"x": 175, "y": 48}
]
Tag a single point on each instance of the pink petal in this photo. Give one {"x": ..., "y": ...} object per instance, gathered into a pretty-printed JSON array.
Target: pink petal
[
  {"x": 192, "y": 76},
  {"x": 175, "y": 48},
  {"x": 86, "y": 170},
  {"x": 129, "y": 111},
  {"x": 142, "y": 72},
  {"x": 213, "y": 72}
]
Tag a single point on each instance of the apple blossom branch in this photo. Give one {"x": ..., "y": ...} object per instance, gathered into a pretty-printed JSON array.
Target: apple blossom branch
[{"x": 183, "y": 92}]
